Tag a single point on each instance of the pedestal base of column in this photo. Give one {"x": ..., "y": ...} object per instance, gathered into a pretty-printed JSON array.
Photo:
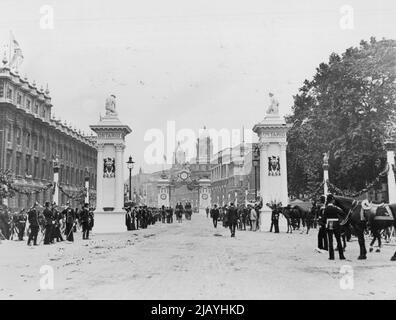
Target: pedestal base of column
[
  {"x": 265, "y": 219},
  {"x": 109, "y": 222}
]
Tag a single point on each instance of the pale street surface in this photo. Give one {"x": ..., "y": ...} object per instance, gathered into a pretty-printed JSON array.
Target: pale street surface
[{"x": 192, "y": 260}]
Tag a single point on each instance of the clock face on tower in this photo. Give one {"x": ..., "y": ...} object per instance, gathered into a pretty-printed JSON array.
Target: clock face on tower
[
  {"x": 184, "y": 175},
  {"x": 163, "y": 196}
]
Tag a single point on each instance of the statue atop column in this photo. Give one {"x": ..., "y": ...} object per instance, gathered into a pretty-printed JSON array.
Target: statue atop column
[
  {"x": 111, "y": 106},
  {"x": 273, "y": 108}
]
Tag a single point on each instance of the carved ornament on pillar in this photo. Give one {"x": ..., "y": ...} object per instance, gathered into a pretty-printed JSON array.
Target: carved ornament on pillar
[
  {"x": 100, "y": 147},
  {"x": 263, "y": 146},
  {"x": 119, "y": 147},
  {"x": 283, "y": 146}
]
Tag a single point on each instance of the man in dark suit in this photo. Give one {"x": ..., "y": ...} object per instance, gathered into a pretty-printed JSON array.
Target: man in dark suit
[
  {"x": 21, "y": 224},
  {"x": 34, "y": 225},
  {"x": 128, "y": 219},
  {"x": 215, "y": 213},
  {"x": 70, "y": 217},
  {"x": 49, "y": 222},
  {"x": 332, "y": 214},
  {"x": 232, "y": 218},
  {"x": 85, "y": 220}
]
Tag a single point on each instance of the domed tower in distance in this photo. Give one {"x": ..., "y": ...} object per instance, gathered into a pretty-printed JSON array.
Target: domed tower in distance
[{"x": 204, "y": 147}]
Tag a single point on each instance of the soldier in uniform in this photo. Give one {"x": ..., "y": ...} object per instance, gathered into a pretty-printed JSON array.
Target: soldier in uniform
[
  {"x": 322, "y": 236},
  {"x": 332, "y": 214},
  {"x": 21, "y": 224},
  {"x": 70, "y": 217},
  {"x": 232, "y": 217},
  {"x": 85, "y": 221},
  {"x": 33, "y": 219},
  {"x": 49, "y": 222},
  {"x": 275, "y": 220}
]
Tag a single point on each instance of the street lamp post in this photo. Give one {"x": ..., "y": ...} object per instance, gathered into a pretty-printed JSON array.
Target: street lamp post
[
  {"x": 130, "y": 163},
  {"x": 55, "y": 163},
  {"x": 256, "y": 163}
]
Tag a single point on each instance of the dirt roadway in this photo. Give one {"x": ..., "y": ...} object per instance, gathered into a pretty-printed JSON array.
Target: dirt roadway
[{"x": 193, "y": 260}]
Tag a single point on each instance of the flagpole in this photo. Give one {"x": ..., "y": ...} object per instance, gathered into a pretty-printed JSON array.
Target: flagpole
[{"x": 9, "y": 60}]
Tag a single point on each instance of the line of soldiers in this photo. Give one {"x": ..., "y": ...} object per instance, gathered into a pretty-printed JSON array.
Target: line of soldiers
[
  {"x": 236, "y": 217},
  {"x": 53, "y": 222},
  {"x": 140, "y": 217}
]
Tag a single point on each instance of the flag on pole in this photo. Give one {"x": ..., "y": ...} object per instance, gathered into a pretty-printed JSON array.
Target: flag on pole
[{"x": 16, "y": 52}]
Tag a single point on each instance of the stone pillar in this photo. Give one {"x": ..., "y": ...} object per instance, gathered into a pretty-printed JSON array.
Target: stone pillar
[
  {"x": 99, "y": 179},
  {"x": 273, "y": 183},
  {"x": 86, "y": 189},
  {"x": 119, "y": 185},
  {"x": 56, "y": 184},
  {"x": 390, "y": 155},
  {"x": 204, "y": 193},
  {"x": 283, "y": 170},
  {"x": 265, "y": 212},
  {"x": 325, "y": 174}
]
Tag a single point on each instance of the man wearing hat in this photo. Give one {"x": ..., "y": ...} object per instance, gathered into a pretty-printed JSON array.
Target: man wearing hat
[
  {"x": 232, "y": 218},
  {"x": 333, "y": 214},
  {"x": 85, "y": 220},
  {"x": 49, "y": 221},
  {"x": 70, "y": 217},
  {"x": 34, "y": 225},
  {"x": 322, "y": 235}
]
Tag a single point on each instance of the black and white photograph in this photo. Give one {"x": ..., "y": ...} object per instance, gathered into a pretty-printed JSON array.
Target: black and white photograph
[{"x": 197, "y": 150}]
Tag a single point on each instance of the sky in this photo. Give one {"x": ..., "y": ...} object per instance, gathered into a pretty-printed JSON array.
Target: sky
[{"x": 195, "y": 63}]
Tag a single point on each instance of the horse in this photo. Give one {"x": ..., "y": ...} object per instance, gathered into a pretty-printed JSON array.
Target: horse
[
  {"x": 304, "y": 215},
  {"x": 287, "y": 213},
  {"x": 358, "y": 217}
]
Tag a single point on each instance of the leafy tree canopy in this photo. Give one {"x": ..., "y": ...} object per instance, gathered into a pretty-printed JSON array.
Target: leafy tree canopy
[{"x": 344, "y": 110}]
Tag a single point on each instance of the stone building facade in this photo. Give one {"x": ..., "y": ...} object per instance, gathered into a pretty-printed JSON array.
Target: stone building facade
[{"x": 30, "y": 139}]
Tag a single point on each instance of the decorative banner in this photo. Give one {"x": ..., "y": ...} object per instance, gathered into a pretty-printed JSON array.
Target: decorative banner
[
  {"x": 109, "y": 168},
  {"x": 79, "y": 196}
]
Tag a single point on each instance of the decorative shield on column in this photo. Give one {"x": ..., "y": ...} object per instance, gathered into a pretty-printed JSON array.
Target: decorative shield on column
[
  {"x": 273, "y": 166},
  {"x": 109, "y": 168}
]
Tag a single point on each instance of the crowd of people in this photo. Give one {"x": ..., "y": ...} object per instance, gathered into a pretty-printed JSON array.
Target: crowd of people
[
  {"x": 139, "y": 217},
  {"x": 54, "y": 223},
  {"x": 238, "y": 217}
]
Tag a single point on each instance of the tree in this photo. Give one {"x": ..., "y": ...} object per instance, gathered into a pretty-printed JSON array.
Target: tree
[{"x": 344, "y": 110}]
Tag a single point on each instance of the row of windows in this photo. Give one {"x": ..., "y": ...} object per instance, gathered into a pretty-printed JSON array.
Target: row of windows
[
  {"x": 31, "y": 169},
  {"x": 24, "y": 101},
  {"x": 28, "y": 141},
  {"x": 26, "y": 201}
]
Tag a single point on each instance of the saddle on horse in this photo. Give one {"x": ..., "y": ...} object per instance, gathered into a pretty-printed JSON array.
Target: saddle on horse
[{"x": 378, "y": 211}]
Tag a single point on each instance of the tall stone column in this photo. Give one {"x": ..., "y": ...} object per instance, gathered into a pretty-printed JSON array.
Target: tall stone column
[
  {"x": 325, "y": 173},
  {"x": 283, "y": 170},
  {"x": 56, "y": 181},
  {"x": 272, "y": 134},
  {"x": 265, "y": 210},
  {"x": 119, "y": 185},
  {"x": 86, "y": 185},
  {"x": 99, "y": 179},
  {"x": 390, "y": 155}
]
